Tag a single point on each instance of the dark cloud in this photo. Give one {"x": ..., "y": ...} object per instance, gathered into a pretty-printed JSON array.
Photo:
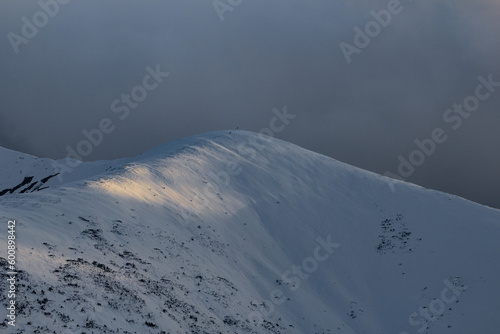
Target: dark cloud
[{"x": 264, "y": 55}]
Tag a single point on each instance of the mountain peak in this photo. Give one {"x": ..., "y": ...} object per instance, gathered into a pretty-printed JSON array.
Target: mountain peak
[{"x": 235, "y": 232}]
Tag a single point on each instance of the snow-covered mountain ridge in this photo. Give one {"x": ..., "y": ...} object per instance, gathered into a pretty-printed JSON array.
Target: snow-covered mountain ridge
[{"x": 232, "y": 232}]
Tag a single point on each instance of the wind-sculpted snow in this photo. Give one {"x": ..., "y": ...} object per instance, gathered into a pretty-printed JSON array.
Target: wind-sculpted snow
[{"x": 233, "y": 232}]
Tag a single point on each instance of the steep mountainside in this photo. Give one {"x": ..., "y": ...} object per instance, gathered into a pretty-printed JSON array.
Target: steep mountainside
[{"x": 232, "y": 232}]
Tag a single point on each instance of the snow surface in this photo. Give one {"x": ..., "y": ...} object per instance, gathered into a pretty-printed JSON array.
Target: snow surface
[{"x": 201, "y": 235}]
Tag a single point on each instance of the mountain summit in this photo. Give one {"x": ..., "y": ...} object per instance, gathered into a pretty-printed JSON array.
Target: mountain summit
[{"x": 234, "y": 232}]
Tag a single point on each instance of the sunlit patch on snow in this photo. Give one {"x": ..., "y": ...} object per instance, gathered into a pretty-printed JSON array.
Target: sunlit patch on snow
[{"x": 141, "y": 184}]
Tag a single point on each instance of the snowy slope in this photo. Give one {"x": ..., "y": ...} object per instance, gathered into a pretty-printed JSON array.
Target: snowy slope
[
  {"x": 24, "y": 173},
  {"x": 230, "y": 232}
]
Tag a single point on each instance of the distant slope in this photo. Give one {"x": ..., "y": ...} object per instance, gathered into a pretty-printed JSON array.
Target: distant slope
[
  {"x": 24, "y": 173},
  {"x": 231, "y": 232}
]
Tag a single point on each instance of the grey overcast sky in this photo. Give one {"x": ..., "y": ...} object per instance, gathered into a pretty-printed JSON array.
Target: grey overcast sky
[{"x": 230, "y": 62}]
